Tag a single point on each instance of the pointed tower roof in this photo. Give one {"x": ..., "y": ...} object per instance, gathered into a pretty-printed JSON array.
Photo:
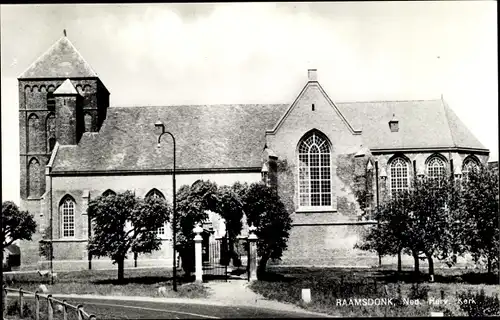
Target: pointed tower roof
[
  {"x": 61, "y": 60},
  {"x": 66, "y": 88}
]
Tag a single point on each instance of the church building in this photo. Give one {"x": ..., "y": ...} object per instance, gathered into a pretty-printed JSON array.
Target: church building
[{"x": 331, "y": 162}]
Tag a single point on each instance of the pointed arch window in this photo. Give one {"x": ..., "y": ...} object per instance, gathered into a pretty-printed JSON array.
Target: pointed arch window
[
  {"x": 51, "y": 100},
  {"x": 156, "y": 194},
  {"x": 436, "y": 168},
  {"x": 88, "y": 122},
  {"x": 315, "y": 188},
  {"x": 108, "y": 193},
  {"x": 50, "y": 130},
  {"x": 33, "y": 126},
  {"x": 470, "y": 164},
  {"x": 67, "y": 210},
  {"x": 34, "y": 178},
  {"x": 399, "y": 175}
]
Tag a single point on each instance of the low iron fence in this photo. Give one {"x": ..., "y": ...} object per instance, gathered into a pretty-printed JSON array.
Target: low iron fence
[{"x": 52, "y": 305}]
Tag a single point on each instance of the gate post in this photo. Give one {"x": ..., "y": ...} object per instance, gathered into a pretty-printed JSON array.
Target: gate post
[
  {"x": 197, "y": 253},
  {"x": 252, "y": 253}
]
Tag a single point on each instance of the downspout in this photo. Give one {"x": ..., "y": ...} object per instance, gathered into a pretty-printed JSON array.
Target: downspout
[
  {"x": 376, "y": 183},
  {"x": 49, "y": 171}
]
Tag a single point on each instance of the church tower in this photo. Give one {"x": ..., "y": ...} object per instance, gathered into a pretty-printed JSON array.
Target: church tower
[{"x": 60, "y": 98}]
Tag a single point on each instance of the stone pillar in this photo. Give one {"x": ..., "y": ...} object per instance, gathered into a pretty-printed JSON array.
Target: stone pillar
[
  {"x": 197, "y": 253},
  {"x": 252, "y": 252}
]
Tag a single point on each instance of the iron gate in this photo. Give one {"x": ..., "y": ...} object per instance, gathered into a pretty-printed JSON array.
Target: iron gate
[{"x": 215, "y": 259}]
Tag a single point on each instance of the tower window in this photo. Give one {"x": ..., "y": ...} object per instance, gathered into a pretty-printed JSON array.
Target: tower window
[
  {"x": 50, "y": 128},
  {"x": 51, "y": 101},
  {"x": 313, "y": 107}
]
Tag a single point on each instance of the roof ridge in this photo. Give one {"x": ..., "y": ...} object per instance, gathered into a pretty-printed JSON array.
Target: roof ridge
[
  {"x": 371, "y": 101},
  {"x": 200, "y": 105},
  {"x": 50, "y": 50},
  {"x": 81, "y": 56},
  {"x": 40, "y": 57}
]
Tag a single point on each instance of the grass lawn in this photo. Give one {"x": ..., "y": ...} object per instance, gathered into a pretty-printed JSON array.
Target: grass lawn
[
  {"x": 137, "y": 282},
  {"x": 330, "y": 286}
]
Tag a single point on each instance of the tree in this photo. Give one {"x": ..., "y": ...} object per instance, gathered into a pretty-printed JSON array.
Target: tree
[
  {"x": 230, "y": 209},
  {"x": 192, "y": 203},
  {"x": 387, "y": 237},
  {"x": 479, "y": 208},
  {"x": 419, "y": 221},
  {"x": 430, "y": 208},
  {"x": 267, "y": 213},
  {"x": 123, "y": 222},
  {"x": 16, "y": 224}
]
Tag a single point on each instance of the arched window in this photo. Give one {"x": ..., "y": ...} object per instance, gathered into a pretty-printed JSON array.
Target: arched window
[
  {"x": 399, "y": 175},
  {"x": 51, "y": 100},
  {"x": 436, "y": 168},
  {"x": 33, "y": 126},
  {"x": 315, "y": 188},
  {"x": 34, "y": 179},
  {"x": 470, "y": 164},
  {"x": 50, "y": 130},
  {"x": 108, "y": 193},
  {"x": 156, "y": 194},
  {"x": 88, "y": 122},
  {"x": 67, "y": 210}
]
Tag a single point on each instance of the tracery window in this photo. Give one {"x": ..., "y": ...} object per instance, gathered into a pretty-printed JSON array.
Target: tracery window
[
  {"x": 436, "y": 168},
  {"x": 469, "y": 165},
  {"x": 315, "y": 189},
  {"x": 399, "y": 176},
  {"x": 156, "y": 194},
  {"x": 108, "y": 193}
]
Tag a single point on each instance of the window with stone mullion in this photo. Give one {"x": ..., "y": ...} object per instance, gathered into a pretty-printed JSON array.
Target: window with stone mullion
[{"x": 314, "y": 173}]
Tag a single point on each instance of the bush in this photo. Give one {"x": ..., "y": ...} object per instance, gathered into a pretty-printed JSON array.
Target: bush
[
  {"x": 419, "y": 292},
  {"x": 476, "y": 304}
]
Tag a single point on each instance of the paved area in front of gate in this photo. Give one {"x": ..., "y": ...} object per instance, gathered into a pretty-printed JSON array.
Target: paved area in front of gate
[{"x": 237, "y": 292}]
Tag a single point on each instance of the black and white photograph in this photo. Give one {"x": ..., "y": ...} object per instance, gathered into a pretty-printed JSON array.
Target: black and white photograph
[{"x": 249, "y": 160}]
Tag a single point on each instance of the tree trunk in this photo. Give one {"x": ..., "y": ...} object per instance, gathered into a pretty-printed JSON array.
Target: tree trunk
[
  {"x": 431, "y": 266},
  {"x": 489, "y": 265},
  {"x": 121, "y": 263},
  {"x": 399, "y": 261},
  {"x": 417, "y": 263}
]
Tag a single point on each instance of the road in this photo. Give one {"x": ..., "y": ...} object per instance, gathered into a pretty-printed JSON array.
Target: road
[{"x": 120, "y": 309}]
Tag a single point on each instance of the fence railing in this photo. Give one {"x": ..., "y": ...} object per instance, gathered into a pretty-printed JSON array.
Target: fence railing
[{"x": 52, "y": 304}]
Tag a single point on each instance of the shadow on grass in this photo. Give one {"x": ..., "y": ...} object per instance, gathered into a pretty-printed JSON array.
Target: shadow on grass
[
  {"x": 392, "y": 276},
  {"x": 270, "y": 276},
  {"x": 182, "y": 279}
]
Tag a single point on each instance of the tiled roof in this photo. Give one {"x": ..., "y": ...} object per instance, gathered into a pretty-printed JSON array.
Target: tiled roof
[
  {"x": 422, "y": 124},
  {"x": 233, "y": 136},
  {"x": 207, "y": 137},
  {"x": 62, "y": 60}
]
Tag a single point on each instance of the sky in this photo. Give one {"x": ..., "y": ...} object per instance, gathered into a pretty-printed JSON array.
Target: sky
[{"x": 164, "y": 54}]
